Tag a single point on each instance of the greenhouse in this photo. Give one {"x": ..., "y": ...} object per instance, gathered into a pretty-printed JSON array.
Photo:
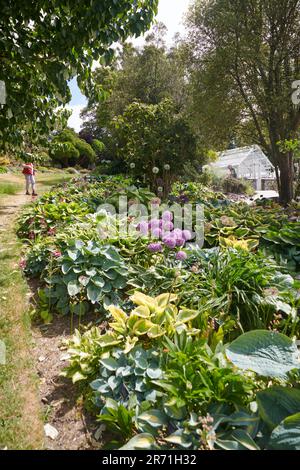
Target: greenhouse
[{"x": 249, "y": 163}]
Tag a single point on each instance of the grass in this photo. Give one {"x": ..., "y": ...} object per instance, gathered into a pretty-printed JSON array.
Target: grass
[
  {"x": 7, "y": 188},
  {"x": 21, "y": 420}
]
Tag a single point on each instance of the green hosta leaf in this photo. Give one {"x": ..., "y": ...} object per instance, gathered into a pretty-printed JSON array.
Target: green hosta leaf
[
  {"x": 185, "y": 316},
  {"x": 66, "y": 267},
  {"x": 73, "y": 254},
  {"x": 266, "y": 353},
  {"x": 156, "y": 418},
  {"x": 142, "y": 327},
  {"x": 165, "y": 299},
  {"x": 73, "y": 288},
  {"x": 140, "y": 442},
  {"x": 277, "y": 403},
  {"x": 98, "y": 281},
  {"x": 142, "y": 312},
  {"x": 155, "y": 332},
  {"x": 154, "y": 373},
  {"x": 109, "y": 363},
  {"x": 287, "y": 435},
  {"x": 93, "y": 293},
  {"x": 179, "y": 439},
  {"x": 108, "y": 340},
  {"x": 245, "y": 439}
]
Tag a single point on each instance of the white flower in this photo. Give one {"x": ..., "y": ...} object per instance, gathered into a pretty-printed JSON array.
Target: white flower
[
  {"x": 155, "y": 170},
  {"x": 167, "y": 167},
  {"x": 132, "y": 166},
  {"x": 160, "y": 189}
]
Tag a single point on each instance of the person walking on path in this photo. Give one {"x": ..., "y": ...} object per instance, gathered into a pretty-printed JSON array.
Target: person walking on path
[{"x": 29, "y": 173}]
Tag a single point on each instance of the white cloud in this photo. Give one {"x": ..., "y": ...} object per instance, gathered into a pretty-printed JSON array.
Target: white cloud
[{"x": 75, "y": 120}]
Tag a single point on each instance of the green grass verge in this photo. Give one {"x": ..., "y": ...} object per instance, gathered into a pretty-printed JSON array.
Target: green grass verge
[
  {"x": 21, "y": 425},
  {"x": 7, "y": 188}
]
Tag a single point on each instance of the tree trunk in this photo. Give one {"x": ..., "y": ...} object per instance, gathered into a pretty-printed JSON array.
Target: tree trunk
[{"x": 286, "y": 191}]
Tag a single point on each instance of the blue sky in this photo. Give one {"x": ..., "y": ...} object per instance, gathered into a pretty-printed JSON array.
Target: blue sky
[{"x": 170, "y": 12}]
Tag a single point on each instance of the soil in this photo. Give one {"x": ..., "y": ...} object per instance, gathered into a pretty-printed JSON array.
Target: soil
[{"x": 63, "y": 407}]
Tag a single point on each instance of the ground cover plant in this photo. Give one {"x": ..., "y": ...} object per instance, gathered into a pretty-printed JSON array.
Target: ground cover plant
[{"x": 164, "y": 363}]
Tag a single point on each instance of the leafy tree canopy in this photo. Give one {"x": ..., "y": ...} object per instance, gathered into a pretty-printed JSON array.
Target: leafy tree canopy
[{"x": 43, "y": 44}]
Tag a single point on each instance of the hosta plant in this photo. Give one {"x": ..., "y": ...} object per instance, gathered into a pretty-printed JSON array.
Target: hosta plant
[
  {"x": 84, "y": 277},
  {"x": 152, "y": 319}
]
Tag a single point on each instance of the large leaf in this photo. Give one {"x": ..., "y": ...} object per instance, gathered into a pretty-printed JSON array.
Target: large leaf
[
  {"x": 140, "y": 442},
  {"x": 73, "y": 288},
  {"x": 93, "y": 293},
  {"x": 277, "y": 403},
  {"x": 155, "y": 418},
  {"x": 287, "y": 435},
  {"x": 264, "y": 352}
]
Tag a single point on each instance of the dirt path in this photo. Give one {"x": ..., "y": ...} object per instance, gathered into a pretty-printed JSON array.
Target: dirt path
[{"x": 56, "y": 398}]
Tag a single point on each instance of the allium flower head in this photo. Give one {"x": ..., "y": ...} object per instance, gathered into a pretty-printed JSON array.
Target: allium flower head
[
  {"x": 56, "y": 254},
  {"x": 160, "y": 189},
  {"x": 143, "y": 227},
  {"x": 168, "y": 226},
  {"x": 155, "y": 247},
  {"x": 186, "y": 234},
  {"x": 157, "y": 233},
  {"x": 167, "y": 216},
  {"x": 170, "y": 241},
  {"x": 154, "y": 223},
  {"x": 132, "y": 166},
  {"x": 181, "y": 256},
  {"x": 167, "y": 167},
  {"x": 155, "y": 170}
]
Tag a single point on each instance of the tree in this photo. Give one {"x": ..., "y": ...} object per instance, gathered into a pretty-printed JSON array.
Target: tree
[
  {"x": 255, "y": 46},
  {"x": 43, "y": 44},
  {"x": 68, "y": 149},
  {"x": 154, "y": 139},
  {"x": 149, "y": 75}
]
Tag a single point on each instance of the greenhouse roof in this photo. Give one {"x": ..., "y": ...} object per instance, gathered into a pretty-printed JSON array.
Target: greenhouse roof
[{"x": 236, "y": 157}]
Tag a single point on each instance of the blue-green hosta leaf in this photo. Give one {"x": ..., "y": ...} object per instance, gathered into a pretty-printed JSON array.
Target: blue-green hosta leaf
[
  {"x": 140, "y": 442},
  {"x": 244, "y": 439},
  {"x": 114, "y": 382},
  {"x": 179, "y": 439},
  {"x": 155, "y": 418},
  {"x": 73, "y": 288},
  {"x": 267, "y": 353},
  {"x": 277, "y": 403},
  {"x": 93, "y": 293},
  {"x": 154, "y": 373},
  {"x": 287, "y": 435},
  {"x": 109, "y": 363}
]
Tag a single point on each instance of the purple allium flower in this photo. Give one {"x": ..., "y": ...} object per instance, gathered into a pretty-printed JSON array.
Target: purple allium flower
[
  {"x": 170, "y": 241},
  {"x": 143, "y": 228},
  {"x": 154, "y": 223},
  {"x": 180, "y": 241},
  {"x": 178, "y": 233},
  {"x": 31, "y": 235},
  {"x": 187, "y": 235},
  {"x": 157, "y": 233},
  {"x": 167, "y": 216},
  {"x": 181, "y": 256},
  {"x": 155, "y": 247},
  {"x": 168, "y": 226}
]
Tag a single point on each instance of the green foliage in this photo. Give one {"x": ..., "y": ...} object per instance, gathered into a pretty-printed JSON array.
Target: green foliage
[
  {"x": 40, "y": 54},
  {"x": 241, "y": 286},
  {"x": 251, "y": 351},
  {"x": 166, "y": 139},
  {"x": 86, "y": 275},
  {"x": 3, "y": 170},
  {"x": 151, "y": 320},
  {"x": 68, "y": 149}
]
